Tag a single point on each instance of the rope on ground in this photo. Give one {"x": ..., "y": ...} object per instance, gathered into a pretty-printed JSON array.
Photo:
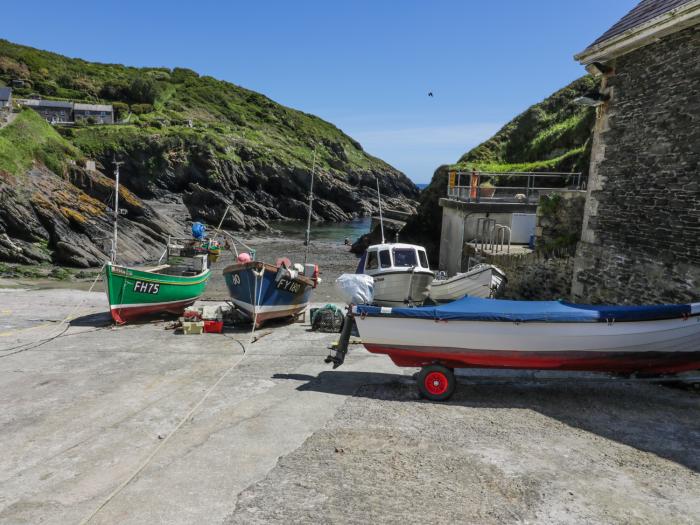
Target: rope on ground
[
  {"x": 35, "y": 344},
  {"x": 148, "y": 459},
  {"x": 256, "y": 300}
]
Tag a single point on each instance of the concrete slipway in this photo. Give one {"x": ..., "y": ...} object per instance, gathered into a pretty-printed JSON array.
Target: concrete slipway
[{"x": 280, "y": 438}]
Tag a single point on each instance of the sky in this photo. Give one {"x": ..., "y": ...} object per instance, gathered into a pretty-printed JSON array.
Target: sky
[{"x": 366, "y": 66}]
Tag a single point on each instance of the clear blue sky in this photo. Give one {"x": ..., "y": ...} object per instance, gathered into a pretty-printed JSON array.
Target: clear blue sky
[{"x": 367, "y": 66}]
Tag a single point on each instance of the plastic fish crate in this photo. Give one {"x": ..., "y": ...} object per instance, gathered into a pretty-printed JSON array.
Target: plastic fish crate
[{"x": 192, "y": 327}]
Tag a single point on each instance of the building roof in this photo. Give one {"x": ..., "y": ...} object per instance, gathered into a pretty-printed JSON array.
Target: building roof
[
  {"x": 5, "y": 93},
  {"x": 47, "y": 103},
  {"x": 92, "y": 107},
  {"x": 645, "y": 11},
  {"x": 649, "y": 20}
]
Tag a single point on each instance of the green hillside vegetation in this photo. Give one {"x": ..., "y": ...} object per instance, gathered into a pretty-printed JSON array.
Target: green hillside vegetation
[
  {"x": 192, "y": 148},
  {"x": 553, "y": 135},
  {"x": 235, "y": 122},
  {"x": 31, "y": 138}
]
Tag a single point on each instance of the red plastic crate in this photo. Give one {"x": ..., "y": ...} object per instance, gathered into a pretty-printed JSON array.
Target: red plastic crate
[{"x": 213, "y": 327}]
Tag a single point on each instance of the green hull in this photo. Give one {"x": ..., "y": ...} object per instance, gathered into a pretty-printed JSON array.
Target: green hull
[{"x": 133, "y": 294}]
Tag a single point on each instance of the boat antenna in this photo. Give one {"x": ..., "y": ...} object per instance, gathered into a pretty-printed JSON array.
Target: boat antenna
[
  {"x": 381, "y": 220},
  {"x": 116, "y": 209},
  {"x": 311, "y": 200}
]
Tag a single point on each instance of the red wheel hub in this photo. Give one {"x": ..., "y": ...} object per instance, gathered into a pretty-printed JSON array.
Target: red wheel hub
[{"x": 436, "y": 383}]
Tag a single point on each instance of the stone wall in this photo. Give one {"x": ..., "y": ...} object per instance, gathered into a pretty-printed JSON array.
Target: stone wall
[
  {"x": 559, "y": 223},
  {"x": 546, "y": 273},
  {"x": 534, "y": 277},
  {"x": 641, "y": 234}
]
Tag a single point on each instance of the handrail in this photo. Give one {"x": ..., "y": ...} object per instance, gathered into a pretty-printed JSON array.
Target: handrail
[{"x": 473, "y": 191}]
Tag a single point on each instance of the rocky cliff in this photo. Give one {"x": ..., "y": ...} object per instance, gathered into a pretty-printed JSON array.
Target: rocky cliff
[{"x": 191, "y": 146}]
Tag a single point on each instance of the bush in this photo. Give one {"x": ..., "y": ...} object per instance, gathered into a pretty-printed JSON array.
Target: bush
[
  {"x": 121, "y": 109},
  {"x": 140, "y": 109},
  {"x": 114, "y": 91},
  {"x": 182, "y": 74},
  {"x": 143, "y": 89},
  {"x": 48, "y": 88}
]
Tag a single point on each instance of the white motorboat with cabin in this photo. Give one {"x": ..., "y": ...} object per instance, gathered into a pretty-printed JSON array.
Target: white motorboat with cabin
[{"x": 401, "y": 273}]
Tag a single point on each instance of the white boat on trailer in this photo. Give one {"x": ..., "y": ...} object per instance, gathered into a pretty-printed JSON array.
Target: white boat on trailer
[
  {"x": 492, "y": 333},
  {"x": 483, "y": 280}
]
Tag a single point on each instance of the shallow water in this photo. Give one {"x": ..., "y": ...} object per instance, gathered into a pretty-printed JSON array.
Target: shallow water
[{"x": 330, "y": 231}]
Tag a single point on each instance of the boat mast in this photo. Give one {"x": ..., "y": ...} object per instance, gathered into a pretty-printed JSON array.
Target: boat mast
[
  {"x": 381, "y": 220},
  {"x": 116, "y": 209},
  {"x": 308, "y": 219}
]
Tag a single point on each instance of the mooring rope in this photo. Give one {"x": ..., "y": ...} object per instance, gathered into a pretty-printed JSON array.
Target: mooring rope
[
  {"x": 256, "y": 300},
  {"x": 155, "y": 451},
  {"x": 59, "y": 332}
]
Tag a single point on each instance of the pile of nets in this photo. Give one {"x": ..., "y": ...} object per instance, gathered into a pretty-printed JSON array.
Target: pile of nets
[{"x": 328, "y": 319}]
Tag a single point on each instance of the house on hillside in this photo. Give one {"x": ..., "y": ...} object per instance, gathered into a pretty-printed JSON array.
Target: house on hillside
[
  {"x": 54, "y": 111},
  {"x": 5, "y": 98},
  {"x": 60, "y": 112},
  {"x": 99, "y": 113},
  {"x": 641, "y": 233}
]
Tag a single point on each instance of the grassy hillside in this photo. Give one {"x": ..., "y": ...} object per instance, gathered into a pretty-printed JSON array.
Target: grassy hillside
[
  {"x": 194, "y": 144},
  {"x": 237, "y": 123},
  {"x": 30, "y": 138},
  {"x": 553, "y": 135}
]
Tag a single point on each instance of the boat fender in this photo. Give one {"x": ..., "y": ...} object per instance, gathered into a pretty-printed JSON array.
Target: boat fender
[{"x": 315, "y": 276}]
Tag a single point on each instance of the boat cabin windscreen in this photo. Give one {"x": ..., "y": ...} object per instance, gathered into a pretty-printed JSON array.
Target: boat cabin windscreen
[
  {"x": 404, "y": 257},
  {"x": 423, "y": 259},
  {"x": 372, "y": 261},
  {"x": 385, "y": 259}
]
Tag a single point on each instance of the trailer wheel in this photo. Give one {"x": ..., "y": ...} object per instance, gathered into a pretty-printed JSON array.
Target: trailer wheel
[{"x": 436, "y": 382}]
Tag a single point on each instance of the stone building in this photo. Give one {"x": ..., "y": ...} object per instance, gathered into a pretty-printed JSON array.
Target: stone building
[
  {"x": 99, "y": 113},
  {"x": 640, "y": 240},
  {"x": 54, "y": 111}
]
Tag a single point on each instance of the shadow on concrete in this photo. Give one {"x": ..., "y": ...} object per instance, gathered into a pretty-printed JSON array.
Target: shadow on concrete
[
  {"x": 98, "y": 320},
  {"x": 647, "y": 417}
]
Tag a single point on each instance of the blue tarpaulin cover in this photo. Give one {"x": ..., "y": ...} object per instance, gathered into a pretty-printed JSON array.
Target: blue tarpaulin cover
[{"x": 477, "y": 309}]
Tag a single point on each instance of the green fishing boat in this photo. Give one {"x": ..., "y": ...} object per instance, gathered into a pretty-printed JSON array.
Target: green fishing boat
[{"x": 134, "y": 293}]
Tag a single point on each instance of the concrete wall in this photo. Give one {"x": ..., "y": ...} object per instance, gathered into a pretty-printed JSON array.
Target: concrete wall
[
  {"x": 640, "y": 239},
  {"x": 459, "y": 226},
  {"x": 451, "y": 240}
]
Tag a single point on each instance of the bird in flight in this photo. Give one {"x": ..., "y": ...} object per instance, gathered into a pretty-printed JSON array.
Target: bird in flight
[{"x": 430, "y": 93}]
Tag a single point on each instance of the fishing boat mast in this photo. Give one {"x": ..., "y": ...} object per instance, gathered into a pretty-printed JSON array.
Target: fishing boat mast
[
  {"x": 116, "y": 210},
  {"x": 381, "y": 220},
  {"x": 308, "y": 219}
]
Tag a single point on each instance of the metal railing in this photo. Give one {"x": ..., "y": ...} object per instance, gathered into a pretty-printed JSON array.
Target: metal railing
[
  {"x": 469, "y": 186},
  {"x": 491, "y": 236}
]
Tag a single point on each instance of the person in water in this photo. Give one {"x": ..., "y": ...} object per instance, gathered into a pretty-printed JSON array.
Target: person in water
[{"x": 347, "y": 241}]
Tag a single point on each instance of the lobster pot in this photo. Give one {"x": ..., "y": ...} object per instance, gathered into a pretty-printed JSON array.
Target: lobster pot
[
  {"x": 175, "y": 250},
  {"x": 199, "y": 263}
]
